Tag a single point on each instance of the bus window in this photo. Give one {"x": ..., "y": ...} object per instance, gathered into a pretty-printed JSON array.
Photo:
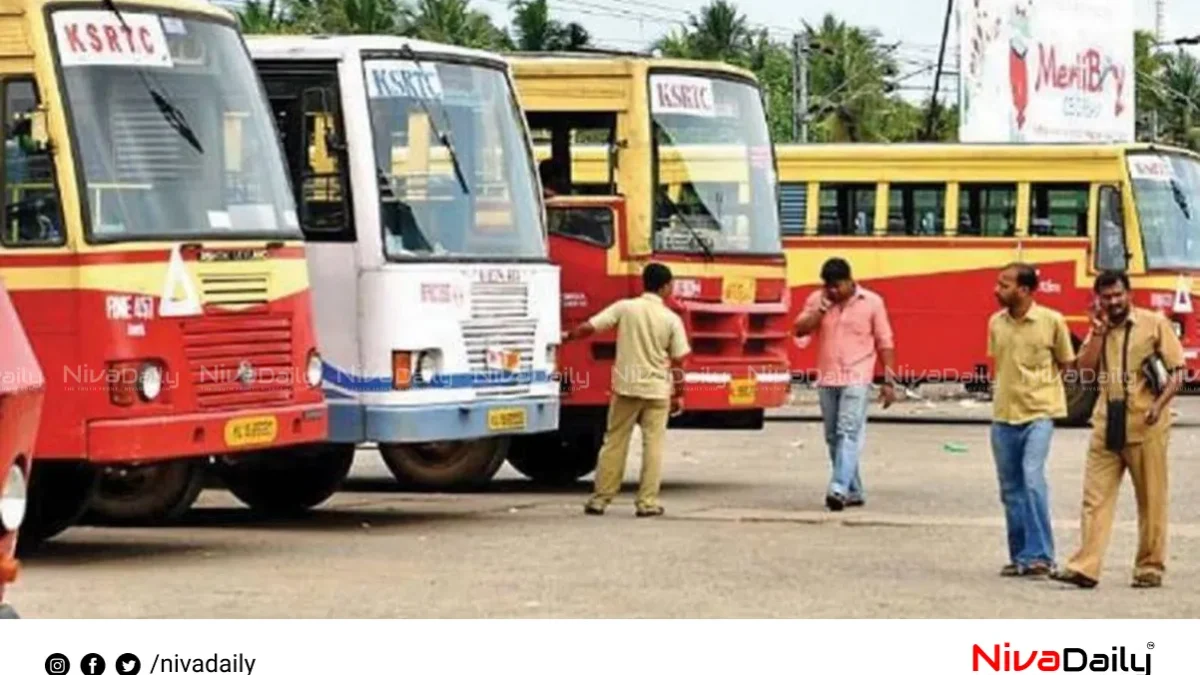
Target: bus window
[
  {"x": 31, "y": 209},
  {"x": 917, "y": 210},
  {"x": 793, "y": 207},
  {"x": 847, "y": 209},
  {"x": 590, "y": 224},
  {"x": 304, "y": 101},
  {"x": 588, "y": 139},
  {"x": 1110, "y": 247},
  {"x": 987, "y": 210},
  {"x": 1058, "y": 209}
]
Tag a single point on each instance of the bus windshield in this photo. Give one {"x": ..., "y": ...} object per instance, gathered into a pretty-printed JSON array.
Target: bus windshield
[
  {"x": 453, "y": 163},
  {"x": 171, "y": 128},
  {"x": 715, "y": 167},
  {"x": 1166, "y": 189}
]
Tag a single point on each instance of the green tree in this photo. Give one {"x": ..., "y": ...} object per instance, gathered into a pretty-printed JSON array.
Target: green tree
[
  {"x": 256, "y": 17},
  {"x": 850, "y": 72},
  {"x": 451, "y": 22},
  {"x": 718, "y": 32},
  {"x": 534, "y": 31}
]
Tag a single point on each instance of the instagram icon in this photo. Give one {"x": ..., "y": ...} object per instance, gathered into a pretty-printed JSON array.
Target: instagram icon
[{"x": 57, "y": 664}]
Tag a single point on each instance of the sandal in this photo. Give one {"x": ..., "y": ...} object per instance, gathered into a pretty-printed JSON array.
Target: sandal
[{"x": 1147, "y": 581}]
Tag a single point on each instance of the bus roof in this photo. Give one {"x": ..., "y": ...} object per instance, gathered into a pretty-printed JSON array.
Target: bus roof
[
  {"x": 870, "y": 151},
  {"x": 192, "y": 6},
  {"x": 613, "y": 63},
  {"x": 339, "y": 46}
]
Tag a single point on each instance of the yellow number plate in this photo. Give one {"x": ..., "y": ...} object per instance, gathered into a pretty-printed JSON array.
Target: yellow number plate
[
  {"x": 742, "y": 392},
  {"x": 251, "y": 431},
  {"x": 738, "y": 290},
  {"x": 506, "y": 419}
]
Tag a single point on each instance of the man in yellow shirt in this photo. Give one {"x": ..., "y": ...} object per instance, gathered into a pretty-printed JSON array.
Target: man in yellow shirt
[
  {"x": 1031, "y": 345},
  {"x": 647, "y": 385},
  {"x": 1123, "y": 337}
]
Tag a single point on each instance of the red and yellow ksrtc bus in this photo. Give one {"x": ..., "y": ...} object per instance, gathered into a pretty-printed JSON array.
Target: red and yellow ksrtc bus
[
  {"x": 151, "y": 245},
  {"x": 656, "y": 160},
  {"x": 930, "y": 226},
  {"x": 21, "y": 387}
]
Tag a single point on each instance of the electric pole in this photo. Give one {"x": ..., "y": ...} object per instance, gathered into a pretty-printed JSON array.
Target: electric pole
[
  {"x": 931, "y": 120},
  {"x": 800, "y": 87}
]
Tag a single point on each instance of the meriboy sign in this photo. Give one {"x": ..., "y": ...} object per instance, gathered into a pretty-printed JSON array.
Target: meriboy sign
[{"x": 1038, "y": 71}]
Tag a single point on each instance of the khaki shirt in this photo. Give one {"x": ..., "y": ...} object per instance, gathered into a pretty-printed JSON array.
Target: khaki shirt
[
  {"x": 1149, "y": 332},
  {"x": 1029, "y": 353},
  {"x": 649, "y": 336}
]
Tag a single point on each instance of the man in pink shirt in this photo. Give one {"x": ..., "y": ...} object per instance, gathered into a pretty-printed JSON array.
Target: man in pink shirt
[{"x": 852, "y": 327}]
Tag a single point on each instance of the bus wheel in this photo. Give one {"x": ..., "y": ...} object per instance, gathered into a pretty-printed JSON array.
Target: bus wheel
[
  {"x": 555, "y": 458},
  {"x": 287, "y": 482},
  {"x": 447, "y": 464},
  {"x": 146, "y": 493},
  {"x": 59, "y": 493},
  {"x": 1081, "y": 399}
]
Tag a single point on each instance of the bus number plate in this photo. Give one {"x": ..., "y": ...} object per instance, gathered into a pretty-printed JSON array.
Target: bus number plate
[
  {"x": 506, "y": 419},
  {"x": 251, "y": 431},
  {"x": 738, "y": 290},
  {"x": 742, "y": 392}
]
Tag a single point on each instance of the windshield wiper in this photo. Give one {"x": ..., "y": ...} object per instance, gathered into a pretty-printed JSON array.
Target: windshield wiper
[
  {"x": 172, "y": 114},
  {"x": 1181, "y": 199},
  {"x": 708, "y": 253},
  {"x": 442, "y": 136}
]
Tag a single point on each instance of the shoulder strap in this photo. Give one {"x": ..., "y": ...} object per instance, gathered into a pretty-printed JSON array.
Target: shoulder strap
[{"x": 1124, "y": 360}]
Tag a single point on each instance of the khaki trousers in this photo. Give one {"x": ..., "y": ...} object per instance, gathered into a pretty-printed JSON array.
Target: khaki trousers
[
  {"x": 623, "y": 413},
  {"x": 1147, "y": 464}
]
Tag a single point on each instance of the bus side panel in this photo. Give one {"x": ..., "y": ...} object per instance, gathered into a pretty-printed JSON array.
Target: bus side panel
[
  {"x": 333, "y": 270},
  {"x": 939, "y": 299}
]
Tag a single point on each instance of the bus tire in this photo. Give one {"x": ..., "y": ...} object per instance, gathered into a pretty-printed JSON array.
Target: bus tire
[
  {"x": 59, "y": 493},
  {"x": 554, "y": 459},
  {"x": 288, "y": 482},
  {"x": 446, "y": 465},
  {"x": 146, "y": 493}
]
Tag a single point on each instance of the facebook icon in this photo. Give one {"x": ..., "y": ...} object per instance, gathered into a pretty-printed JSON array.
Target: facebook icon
[{"x": 92, "y": 664}]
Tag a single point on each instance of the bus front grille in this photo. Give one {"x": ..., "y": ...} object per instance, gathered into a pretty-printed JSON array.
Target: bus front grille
[
  {"x": 509, "y": 335},
  {"x": 235, "y": 291},
  {"x": 494, "y": 301},
  {"x": 240, "y": 360}
]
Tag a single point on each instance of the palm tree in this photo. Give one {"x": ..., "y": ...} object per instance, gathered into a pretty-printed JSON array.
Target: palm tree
[
  {"x": 1181, "y": 87},
  {"x": 453, "y": 22},
  {"x": 849, "y": 80},
  {"x": 534, "y": 31},
  {"x": 718, "y": 32},
  {"x": 258, "y": 17}
]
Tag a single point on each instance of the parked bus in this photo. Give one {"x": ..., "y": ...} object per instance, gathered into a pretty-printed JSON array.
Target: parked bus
[
  {"x": 151, "y": 246},
  {"x": 930, "y": 226},
  {"x": 436, "y": 303},
  {"x": 657, "y": 160},
  {"x": 21, "y": 387}
]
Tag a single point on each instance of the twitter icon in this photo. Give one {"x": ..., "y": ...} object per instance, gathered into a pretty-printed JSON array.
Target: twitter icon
[{"x": 129, "y": 664}]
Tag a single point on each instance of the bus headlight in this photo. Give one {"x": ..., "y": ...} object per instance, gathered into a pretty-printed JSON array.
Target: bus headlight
[
  {"x": 552, "y": 358},
  {"x": 150, "y": 381},
  {"x": 427, "y": 366},
  {"x": 313, "y": 373},
  {"x": 13, "y": 499}
]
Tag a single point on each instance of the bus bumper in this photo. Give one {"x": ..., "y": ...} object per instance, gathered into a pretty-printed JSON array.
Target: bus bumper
[
  {"x": 731, "y": 391},
  {"x": 201, "y": 434},
  {"x": 352, "y": 422}
]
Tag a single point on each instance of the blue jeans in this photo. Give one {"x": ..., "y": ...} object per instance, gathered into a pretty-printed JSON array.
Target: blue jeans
[
  {"x": 844, "y": 410},
  {"x": 1020, "y": 451}
]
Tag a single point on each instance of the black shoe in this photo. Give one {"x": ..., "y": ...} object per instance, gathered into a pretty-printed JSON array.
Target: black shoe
[
  {"x": 835, "y": 502},
  {"x": 593, "y": 510},
  {"x": 855, "y": 501},
  {"x": 1147, "y": 581},
  {"x": 1074, "y": 578}
]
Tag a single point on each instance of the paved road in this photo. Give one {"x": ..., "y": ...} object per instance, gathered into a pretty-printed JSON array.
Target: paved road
[{"x": 745, "y": 536}]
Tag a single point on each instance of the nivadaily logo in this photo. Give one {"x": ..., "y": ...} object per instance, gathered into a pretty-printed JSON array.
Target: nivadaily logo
[{"x": 1004, "y": 659}]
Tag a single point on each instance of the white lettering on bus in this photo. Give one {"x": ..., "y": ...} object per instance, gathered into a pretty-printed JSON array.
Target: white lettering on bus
[{"x": 682, "y": 95}]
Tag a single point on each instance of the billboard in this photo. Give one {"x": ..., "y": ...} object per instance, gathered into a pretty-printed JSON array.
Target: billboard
[{"x": 1046, "y": 71}]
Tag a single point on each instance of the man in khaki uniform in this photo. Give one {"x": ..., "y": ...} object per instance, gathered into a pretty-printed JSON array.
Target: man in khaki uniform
[
  {"x": 650, "y": 338},
  {"x": 1119, "y": 327}
]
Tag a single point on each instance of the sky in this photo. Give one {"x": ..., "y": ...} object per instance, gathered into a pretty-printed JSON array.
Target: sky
[{"x": 916, "y": 24}]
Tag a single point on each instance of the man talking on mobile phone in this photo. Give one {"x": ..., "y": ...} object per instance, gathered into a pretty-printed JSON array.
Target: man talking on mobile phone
[
  {"x": 650, "y": 338},
  {"x": 853, "y": 328},
  {"x": 1139, "y": 363}
]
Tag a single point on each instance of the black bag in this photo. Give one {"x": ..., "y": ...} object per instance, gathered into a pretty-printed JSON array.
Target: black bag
[{"x": 1116, "y": 418}]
